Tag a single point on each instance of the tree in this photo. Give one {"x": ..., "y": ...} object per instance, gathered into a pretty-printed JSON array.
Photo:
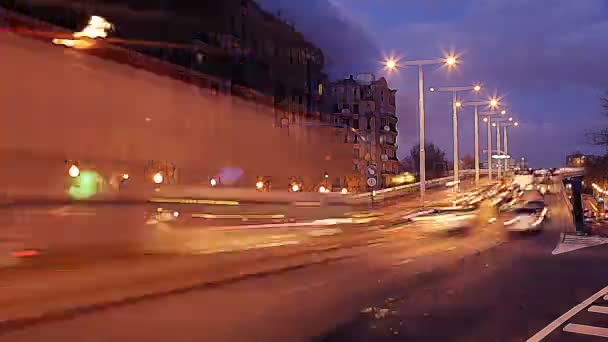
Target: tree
[
  {"x": 436, "y": 164},
  {"x": 467, "y": 162},
  {"x": 407, "y": 164}
]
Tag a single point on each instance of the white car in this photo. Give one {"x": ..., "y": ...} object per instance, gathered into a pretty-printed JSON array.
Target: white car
[{"x": 526, "y": 219}]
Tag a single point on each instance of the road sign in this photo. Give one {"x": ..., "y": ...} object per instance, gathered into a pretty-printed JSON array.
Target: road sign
[
  {"x": 501, "y": 156},
  {"x": 371, "y": 170},
  {"x": 372, "y": 182}
]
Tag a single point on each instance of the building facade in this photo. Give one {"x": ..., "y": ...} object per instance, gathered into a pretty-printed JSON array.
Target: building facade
[
  {"x": 235, "y": 40},
  {"x": 365, "y": 106}
]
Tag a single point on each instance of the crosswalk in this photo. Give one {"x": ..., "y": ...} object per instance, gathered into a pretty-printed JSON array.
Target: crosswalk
[
  {"x": 586, "y": 321},
  {"x": 572, "y": 242}
]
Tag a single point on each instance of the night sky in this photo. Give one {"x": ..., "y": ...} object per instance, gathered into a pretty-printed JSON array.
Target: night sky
[{"x": 547, "y": 58}]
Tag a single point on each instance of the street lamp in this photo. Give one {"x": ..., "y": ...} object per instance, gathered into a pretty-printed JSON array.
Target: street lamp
[
  {"x": 487, "y": 120},
  {"x": 492, "y": 103},
  {"x": 506, "y": 140},
  {"x": 496, "y": 123},
  {"x": 392, "y": 64},
  {"x": 455, "y": 105}
]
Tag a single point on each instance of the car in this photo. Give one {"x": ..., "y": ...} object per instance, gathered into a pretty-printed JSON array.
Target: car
[
  {"x": 445, "y": 219},
  {"x": 530, "y": 217}
]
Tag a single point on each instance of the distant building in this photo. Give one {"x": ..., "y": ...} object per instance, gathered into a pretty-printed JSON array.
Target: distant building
[
  {"x": 578, "y": 159},
  {"x": 367, "y": 105}
]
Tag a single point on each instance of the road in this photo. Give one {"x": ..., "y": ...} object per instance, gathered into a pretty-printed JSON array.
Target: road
[{"x": 365, "y": 282}]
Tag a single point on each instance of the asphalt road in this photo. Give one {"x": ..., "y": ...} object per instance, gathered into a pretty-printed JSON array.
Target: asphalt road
[{"x": 390, "y": 283}]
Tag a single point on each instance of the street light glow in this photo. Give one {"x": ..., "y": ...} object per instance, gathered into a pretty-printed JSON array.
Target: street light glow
[
  {"x": 510, "y": 119},
  {"x": 477, "y": 88},
  {"x": 125, "y": 176},
  {"x": 213, "y": 182},
  {"x": 503, "y": 112},
  {"x": 391, "y": 64},
  {"x": 450, "y": 60},
  {"x": 493, "y": 124},
  {"x": 493, "y": 102},
  {"x": 295, "y": 188},
  {"x": 321, "y": 189},
  {"x": 516, "y": 123},
  {"x": 344, "y": 191},
  {"x": 259, "y": 185},
  {"x": 431, "y": 89},
  {"x": 458, "y": 104},
  {"x": 74, "y": 171},
  {"x": 158, "y": 178},
  {"x": 485, "y": 119}
]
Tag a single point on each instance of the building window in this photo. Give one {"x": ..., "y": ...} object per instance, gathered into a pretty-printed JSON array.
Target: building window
[
  {"x": 355, "y": 166},
  {"x": 356, "y": 123},
  {"x": 356, "y": 108},
  {"x": 300, "y": 99},
  {"x": 336, "y": 108},
  {"x": 320, "y": 89},
  {"x": 356, "y": 140},
  {"x": 369, "y": 123},
  {"x": 293, "y": 116}
]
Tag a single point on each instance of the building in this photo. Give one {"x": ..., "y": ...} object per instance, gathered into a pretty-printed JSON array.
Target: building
[
  {"x": 128, "y": 113},
  {"x": 367, "y": 105},
  {"x": 234, "y": 40},
  {"x": 578, "y": 159}
]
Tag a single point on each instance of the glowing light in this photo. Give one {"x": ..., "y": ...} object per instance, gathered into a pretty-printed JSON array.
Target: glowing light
[
  {"x": 85, "y": 185},
  {"x": 158, "y": 178},
  {"x": 321, "y": 189},
  {"x": 295, "y": 188},
  {"x": 74, "y": 171},
  {"x": 493, "y": 102},
  {"x": 503, "y": 112},
  {"x": 175, "y": 213},
  {"x": 493, "y": 124},
  {"x": 25, "y": 253},
  {"x": 259, "y": 185},
  {"x": 213, "y": 182},
  {"x": 477, "y": 88},
  {"x": 326, "y": 175},
  {"x": 431, "y": 89},
  {"x": 450, "y": 60},
  {"x": 96, "y": 28},
  {"x": 510, "y": 119},
  {"x": 344, "y": 191},
  {"x": 516, "y": 124},
  {"x": 73, "y": 43},
  {"x": 391, "y": 64},
  {"x": 485, "y": 119},
  {"x": 459, "y": 104},
  {"x": 125, "y": 176}
]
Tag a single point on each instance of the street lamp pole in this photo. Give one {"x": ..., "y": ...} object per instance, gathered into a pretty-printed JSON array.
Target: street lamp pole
[
  {"x": 487, "y": 115},
  {"x": 499, "y": 166},
  {"x": 455, "y": 105},
  {"x": 506, "y": 147},
  {"x": 476, "y": 145},
  {"x": 422, "y": 155},
  {"x": 393, "y": 64}
]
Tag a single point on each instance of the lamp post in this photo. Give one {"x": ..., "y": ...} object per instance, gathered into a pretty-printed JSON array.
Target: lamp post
[
  {"x": 487, "y": 120},
  {"x": 506, "y": 140},
  {"x": 392, "y": 64},
  {"x": 496, "y": 123},
  {"x": 455, "y": 105},
  {"x": 492, "y": 103}
]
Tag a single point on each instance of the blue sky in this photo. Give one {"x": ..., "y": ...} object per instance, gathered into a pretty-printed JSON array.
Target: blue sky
[{"x": 547, "y": 58}]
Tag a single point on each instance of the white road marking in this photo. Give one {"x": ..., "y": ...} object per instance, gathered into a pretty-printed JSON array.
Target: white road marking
[
  {"x": 571, "y": 243},
  {"x": 563, "y": 318},
  {"x": 586, "y": 330},
  {"x": 598, "y": 309},
  {"x": 403, "y": 262}
]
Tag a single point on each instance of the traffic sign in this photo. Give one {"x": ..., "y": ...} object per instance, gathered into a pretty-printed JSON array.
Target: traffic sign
[
  {"x": 372, "y": 182},
  {"x": 371, "y": 170}
]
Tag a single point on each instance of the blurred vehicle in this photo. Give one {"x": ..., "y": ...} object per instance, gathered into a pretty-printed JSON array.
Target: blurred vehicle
[
  {"x": 524, "y": 179},
  {"x": 445, "y": 219},
  {"x": 530, "y": 217}
]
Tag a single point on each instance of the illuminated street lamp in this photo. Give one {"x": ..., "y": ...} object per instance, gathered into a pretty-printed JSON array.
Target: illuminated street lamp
[
  {"x": 73, "y": 171},
  {"x": 392, "y": 64},
  {"x": 213, "y": 182},
  {"x": 158, "y": 178},
  {"x": 492, "y": 104},
  {"x": 506, "y": 139},
  {"x": 497, "y": 123},
  {"x": 455, "y": 105},
  {"x": 486, "y": 119}
]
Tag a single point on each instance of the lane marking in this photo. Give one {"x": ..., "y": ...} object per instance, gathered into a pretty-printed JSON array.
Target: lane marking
[
  {"x": 586, "y": 330},
  {"x": 598, "y": 309},
  {"x": 563, "y": 318}
]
